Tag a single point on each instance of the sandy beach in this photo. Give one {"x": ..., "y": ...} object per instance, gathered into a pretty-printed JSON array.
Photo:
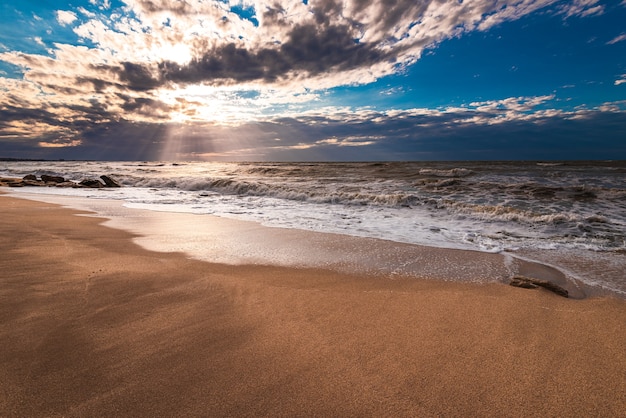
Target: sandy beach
[{"x": 92, "y": 324}]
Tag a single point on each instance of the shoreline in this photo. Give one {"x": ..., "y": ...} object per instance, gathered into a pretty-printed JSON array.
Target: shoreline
[
  {"x": 224, "y": 240},
  {"x": 542, "y": 216},
  {"x": 96, "y": 325}
]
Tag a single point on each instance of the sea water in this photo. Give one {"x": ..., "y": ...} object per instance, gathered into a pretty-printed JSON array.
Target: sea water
[{"x": 571, "y": 215}]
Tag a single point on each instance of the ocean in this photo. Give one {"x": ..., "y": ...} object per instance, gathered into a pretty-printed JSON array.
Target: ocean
[{"x": 569, "y": 215}]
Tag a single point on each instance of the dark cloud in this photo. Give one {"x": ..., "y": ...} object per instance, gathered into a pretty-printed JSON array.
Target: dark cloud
[
  {"x": 323, "y": 10},
  {"x": 145, "y": 106},
  {"x": 138, "y": 77},
  {"x": 324, "y": 45},
  {"x": 13, "y": 113},
  {"x": 309, "y": 49},
  {"x": 317, "y": 51},
  {"x": 391, "y": 12}
]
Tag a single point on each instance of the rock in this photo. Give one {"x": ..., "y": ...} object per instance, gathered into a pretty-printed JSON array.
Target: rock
[
  {"x": 30, "y": 177},
  {"x": 52, "y": 179},
  {"x": 523, "y": 283},
  {"x": 109, "y": 182},
  {"x": 67, "y": 184},
  {"x": 532, "y": 283},
  {"x": 15, "y": 182},
  {"x": 35, "y": 183},
  {"x": 96, "y": 184}
]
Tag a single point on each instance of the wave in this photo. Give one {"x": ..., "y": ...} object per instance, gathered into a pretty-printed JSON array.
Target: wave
[
  {"x": 310, "y": 193},
  {"x": 454, "y": 172},
  {"x": 509, "y": 213},
  {"x": 550, "y": 164},
  {"x": 523, "y": 193}
]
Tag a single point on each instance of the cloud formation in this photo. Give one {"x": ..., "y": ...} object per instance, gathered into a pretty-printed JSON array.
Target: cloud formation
[
  {"x": 524, "y": 128},
  {"x": 154, "y": 43},
  {"x": 65, "y": 17},
  {"x": 223, "y": 64},
  {"x": 617, "y": 39},
  {"x": 582, "y": 8}
]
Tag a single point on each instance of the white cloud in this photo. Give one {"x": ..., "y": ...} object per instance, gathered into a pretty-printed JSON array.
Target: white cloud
[
  {"x": 617, "y": 39},
  {"x": 582, "y": 8},
  {"x": 618, "y": 106},
  {"x": 65, "y": 17},
  {"x": 86, "y": 12},
  {"x": 511, "y": 11},
  {"x": 516, "y": 104},
  {"x": 621, "y": 80},
  {"x": 102, "y": 4}
]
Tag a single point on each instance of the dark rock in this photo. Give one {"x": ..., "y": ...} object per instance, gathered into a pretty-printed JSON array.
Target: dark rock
[
  {"x": 52, "y": 179},
  {"x": 96, "y": 184},
  {"x": 30, "y": 177},
  {"x": 532, "y": 283},
  {"x": 109, "y": 182}
]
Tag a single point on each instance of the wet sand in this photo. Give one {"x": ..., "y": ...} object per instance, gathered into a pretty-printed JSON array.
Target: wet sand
[{"x": 91, "y": 324}]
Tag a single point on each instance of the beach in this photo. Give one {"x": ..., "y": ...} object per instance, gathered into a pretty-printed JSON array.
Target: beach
[{"x": 92, "y": 324}]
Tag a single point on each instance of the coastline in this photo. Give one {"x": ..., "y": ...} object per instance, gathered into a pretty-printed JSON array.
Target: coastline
[
  {"x": 239, "y": 242},
  {"x": 96, "y": 325}
]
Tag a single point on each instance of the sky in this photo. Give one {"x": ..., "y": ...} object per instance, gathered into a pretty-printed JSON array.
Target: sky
[{"x": 313, "y": 80}]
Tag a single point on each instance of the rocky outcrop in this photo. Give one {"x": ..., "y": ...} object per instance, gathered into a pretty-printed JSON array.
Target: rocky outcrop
[
  {"x": 57, "y": 181},
  {"x": 92, "y": 183},
  {"x": 109, "y": 182},
  {"x": 533, "y": 283},
  {"x": 11, "y": 182},
  {"x": 52, "y": 179}
]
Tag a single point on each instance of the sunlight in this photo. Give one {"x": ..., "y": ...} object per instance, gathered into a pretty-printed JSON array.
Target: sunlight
[
  {"x": 212, "y": 141},
  {"x": 69, "y": 143},
  {"x": 201, "y": 103},
  {"x": 178, "y": 53}
]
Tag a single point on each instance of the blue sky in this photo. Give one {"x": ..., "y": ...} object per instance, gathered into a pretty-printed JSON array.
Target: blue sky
[{"x": 316, "y": 80}]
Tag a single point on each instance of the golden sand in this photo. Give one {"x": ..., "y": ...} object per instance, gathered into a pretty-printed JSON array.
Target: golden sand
[{"x": 93, "y": 325}]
